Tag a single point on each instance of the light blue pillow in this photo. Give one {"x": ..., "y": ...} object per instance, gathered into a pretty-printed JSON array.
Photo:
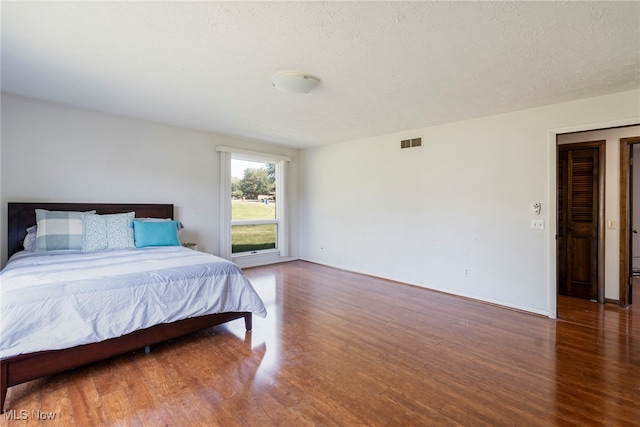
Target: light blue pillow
[
  {"x": 155, "y": 233},
  {"x": 112, "y": 231},
  {"x": 94, "y": 237},
  {"x": 59, "y": 229},
  {"x": 120, "y": 230}
]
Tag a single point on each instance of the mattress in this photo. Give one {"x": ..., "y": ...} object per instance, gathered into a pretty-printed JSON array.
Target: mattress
[{"x": 59, "y": 299}]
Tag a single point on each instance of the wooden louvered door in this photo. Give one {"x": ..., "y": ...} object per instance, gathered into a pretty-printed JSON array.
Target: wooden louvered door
[{"x": 578, "y": 207}]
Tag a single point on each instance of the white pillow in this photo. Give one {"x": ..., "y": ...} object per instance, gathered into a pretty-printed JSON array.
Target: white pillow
[{"x": 29, "y": 242}]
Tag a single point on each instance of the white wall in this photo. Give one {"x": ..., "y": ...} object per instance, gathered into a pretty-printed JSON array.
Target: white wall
[
  {"x": 56, "y": 153},
  {"x": 420, "y": 216},
  {"x": 612, "y": 197},
  {"x": 463, "y": 201}
]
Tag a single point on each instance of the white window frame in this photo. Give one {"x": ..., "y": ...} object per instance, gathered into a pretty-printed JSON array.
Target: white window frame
[{"x": 282, "y": 247}]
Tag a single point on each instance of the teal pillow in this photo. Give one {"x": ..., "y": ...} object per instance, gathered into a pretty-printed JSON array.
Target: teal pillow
[{"x": 155, "y": 233}]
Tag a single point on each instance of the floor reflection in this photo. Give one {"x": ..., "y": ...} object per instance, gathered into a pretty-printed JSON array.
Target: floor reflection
[
  {"x": 600, "y": 344},
  {"x": 266, "y": 331}
]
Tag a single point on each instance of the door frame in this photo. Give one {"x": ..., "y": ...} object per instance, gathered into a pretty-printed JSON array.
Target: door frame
[
  {"x": 552, "y": 142},
  {"x": 625, "y": 219},
  {"x": 602, "y": 147}
]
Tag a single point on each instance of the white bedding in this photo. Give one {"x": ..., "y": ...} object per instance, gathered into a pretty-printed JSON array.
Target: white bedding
[{"x": 60, "y": 299}]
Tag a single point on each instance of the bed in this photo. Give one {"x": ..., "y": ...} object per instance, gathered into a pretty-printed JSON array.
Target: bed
[{"x": 157, "y": 293}]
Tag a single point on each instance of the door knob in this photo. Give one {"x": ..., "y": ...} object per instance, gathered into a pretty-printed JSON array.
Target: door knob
[{"x": 634, "y": 231}]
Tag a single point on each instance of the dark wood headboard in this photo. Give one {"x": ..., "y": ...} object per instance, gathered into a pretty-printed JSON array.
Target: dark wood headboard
[{"x": 23, "y": 215}]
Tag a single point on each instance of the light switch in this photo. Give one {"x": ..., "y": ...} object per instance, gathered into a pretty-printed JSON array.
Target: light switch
[
  {"x": 611, "y": 224},
  {"x": 537, "y": 224}
]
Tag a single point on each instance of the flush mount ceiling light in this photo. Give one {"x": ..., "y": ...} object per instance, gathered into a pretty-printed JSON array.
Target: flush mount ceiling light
[{"x": 294, "y": 82}]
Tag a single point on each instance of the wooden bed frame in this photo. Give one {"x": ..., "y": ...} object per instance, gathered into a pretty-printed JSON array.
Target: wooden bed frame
[{"x": 26, "y": 367}]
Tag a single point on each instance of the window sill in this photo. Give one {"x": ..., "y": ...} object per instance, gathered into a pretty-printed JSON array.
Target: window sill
[{"x": 269, "y": 256}]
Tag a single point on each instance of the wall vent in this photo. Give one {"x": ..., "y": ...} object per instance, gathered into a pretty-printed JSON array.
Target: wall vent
[{"x": 411, "y": 143}]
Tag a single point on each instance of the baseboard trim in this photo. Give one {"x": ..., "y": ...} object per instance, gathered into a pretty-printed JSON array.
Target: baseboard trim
[{"x": 474, "y": 298}]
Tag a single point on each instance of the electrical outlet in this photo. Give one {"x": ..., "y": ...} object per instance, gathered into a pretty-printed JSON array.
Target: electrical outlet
[
  {"x": 537, "y": 224},
  {"x": 467, "y": 272}
]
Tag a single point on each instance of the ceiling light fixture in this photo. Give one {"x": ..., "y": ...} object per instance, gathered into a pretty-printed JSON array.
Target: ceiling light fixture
[{"x": 294, "y": 82}]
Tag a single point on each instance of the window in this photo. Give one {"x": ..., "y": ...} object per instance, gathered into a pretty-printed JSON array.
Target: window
[
  {"x": 252, "y": 201},
  {"x": 254, "y": 217}
]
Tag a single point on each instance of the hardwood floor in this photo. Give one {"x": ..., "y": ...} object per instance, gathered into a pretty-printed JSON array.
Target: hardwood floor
[{"x": 342, "y": 349}]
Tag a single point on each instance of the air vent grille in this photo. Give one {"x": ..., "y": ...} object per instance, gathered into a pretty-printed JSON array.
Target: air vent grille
[{"x": 411, "y": 143}]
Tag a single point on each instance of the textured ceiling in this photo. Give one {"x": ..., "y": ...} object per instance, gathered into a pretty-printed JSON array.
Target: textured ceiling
[{"x": 385, "y": 66}]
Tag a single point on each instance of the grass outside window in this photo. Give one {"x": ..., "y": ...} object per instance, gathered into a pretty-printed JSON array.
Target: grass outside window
[
  {"x": 248, "y": 238},
  {"x": 252, "y": 209}
]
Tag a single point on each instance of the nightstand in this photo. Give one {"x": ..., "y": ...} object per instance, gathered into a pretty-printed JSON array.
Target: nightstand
[{"x": 193, "y": 246}]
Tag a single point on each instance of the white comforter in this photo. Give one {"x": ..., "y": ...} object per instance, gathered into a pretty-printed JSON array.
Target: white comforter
[{"x": 60, "y": 299}]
